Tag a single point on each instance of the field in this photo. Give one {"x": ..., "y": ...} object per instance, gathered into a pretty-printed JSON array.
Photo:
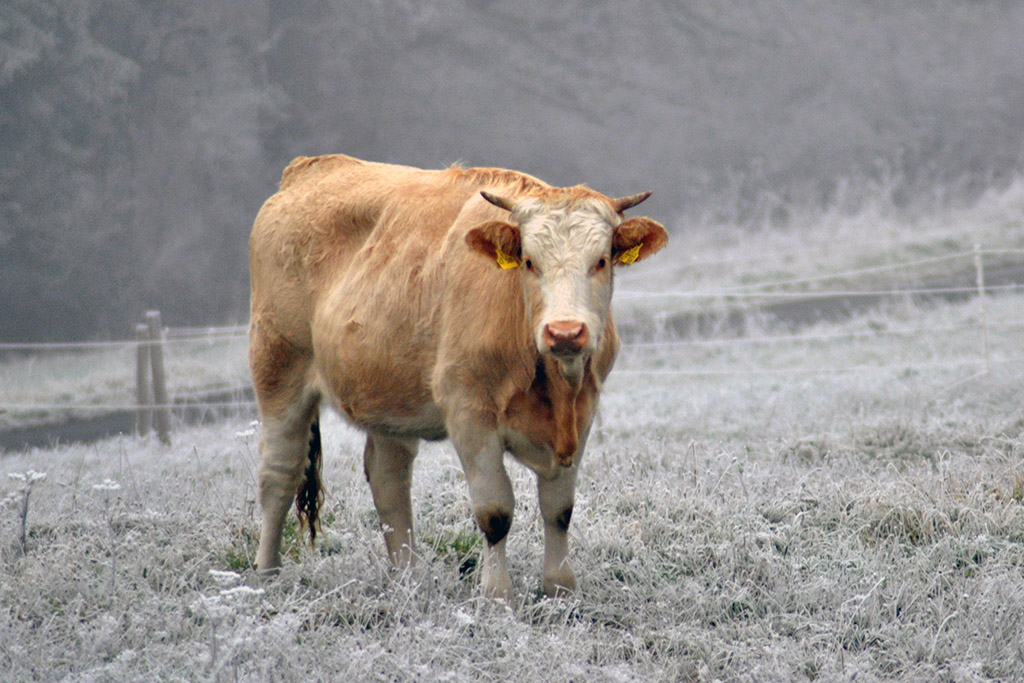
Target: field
[{"x": 835, "y": 501}]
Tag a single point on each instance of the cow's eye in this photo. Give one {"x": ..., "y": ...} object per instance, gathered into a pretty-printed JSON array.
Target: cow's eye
[
  {"x": 529, "y": 264},
  {"x": 602, "y": 263}
]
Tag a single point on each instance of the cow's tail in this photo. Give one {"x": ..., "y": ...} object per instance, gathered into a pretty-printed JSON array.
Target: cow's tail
[{"x": 310, "y": 494}]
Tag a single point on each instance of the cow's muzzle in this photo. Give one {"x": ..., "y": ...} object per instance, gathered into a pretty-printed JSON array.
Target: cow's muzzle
[{"x": 566, "y": 337}]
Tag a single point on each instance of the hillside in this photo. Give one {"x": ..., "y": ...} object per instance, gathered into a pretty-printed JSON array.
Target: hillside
[{"x": 138, "y": 140}]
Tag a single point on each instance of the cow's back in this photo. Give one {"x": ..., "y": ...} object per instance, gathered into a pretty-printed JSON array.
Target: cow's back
[{"x": 307, "y": 235}]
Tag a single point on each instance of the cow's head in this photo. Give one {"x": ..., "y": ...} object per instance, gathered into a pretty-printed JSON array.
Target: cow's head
[{"x": 567, "y": 250}]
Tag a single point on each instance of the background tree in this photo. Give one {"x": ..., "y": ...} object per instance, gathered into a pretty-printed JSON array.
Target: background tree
[{"x": 139, "y": 138}]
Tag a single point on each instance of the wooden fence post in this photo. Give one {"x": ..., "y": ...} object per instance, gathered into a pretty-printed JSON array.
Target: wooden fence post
[
  {"x": 979, "y": 266},
  {"x": 161, "y": 408},
  {"x": 143, "y": 413}
]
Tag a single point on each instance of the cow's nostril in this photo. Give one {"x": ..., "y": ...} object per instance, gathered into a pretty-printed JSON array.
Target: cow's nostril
[
  {"x": 566, "y": 336},
  {"x": 565, "y": 330}
]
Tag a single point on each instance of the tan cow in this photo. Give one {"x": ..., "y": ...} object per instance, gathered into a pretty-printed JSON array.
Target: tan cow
[{"x": 463, "y": 303}]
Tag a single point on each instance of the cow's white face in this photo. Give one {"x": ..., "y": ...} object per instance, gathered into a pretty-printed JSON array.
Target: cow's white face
[
  {"x": 567, "y": 279},
  {"x": 566, "y": 255}
]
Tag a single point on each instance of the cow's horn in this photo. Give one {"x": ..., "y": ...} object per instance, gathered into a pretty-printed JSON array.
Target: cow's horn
[
  {"x": 623, "y": 203},
  {"x": 500, "y": 202}
]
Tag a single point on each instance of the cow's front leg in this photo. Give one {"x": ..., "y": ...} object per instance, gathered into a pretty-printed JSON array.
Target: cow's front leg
[
  {"x": 388, "y": 464},
  {"x": 556, "y": 496},
  {"x": 490, "y": 492}
]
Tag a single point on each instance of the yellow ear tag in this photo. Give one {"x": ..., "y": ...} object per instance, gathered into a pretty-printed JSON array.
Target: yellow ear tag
[
  {"x": 630, "y": 255},
  {"x": 504, "y": 260}
]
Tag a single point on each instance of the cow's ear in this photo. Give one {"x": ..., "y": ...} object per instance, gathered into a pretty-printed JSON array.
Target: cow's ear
[
  {"x": 498, "y": 241},
  {"x": 637, "y": 238}
]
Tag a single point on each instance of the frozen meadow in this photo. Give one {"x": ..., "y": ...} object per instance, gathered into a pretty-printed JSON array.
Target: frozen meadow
[{"x": 835, "y": 501}]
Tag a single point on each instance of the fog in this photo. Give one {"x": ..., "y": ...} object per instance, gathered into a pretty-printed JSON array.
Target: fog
[{"x": 138, "y": 139}]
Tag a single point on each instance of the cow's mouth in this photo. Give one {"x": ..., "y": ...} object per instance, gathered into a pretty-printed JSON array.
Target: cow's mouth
[{"x": 571, "y": 366}]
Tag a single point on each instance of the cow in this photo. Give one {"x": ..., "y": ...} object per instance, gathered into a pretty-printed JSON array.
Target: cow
[{"x": 463, "y": 303}]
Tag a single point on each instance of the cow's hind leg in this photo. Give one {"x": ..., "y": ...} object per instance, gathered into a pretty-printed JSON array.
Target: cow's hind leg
[
  {"x": 285, "y": 449},
  {"x": 388, "y": 464},
  {"x": 288, "y": 441}
]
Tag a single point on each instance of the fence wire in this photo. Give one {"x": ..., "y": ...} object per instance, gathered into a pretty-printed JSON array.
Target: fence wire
[
  {"x": 802, "y": 338},
  {"x": 853, "y": 369},
  {"x": 207, "y": 335}
]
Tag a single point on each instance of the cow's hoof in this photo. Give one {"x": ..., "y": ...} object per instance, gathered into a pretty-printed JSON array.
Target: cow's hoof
[
  {"x": 497, "y": 586},
  {"x": 560, "y": 584},
  {"x": 499, "y": 593},
  {"x": 271, "y": 572}
]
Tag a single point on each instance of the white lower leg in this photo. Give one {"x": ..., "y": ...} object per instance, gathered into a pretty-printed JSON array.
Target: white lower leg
[
  {"x": 388, "y": 465},
  {"x": 494, "y": 579},
  {"x": 493, "y": 503},
  {"x": 284, "y": 451},
  {"x": 556, "y": 505},
  {"x": 558, "y": 576},
  {"x": 481, "y": 451},
  {"x": 275, "y": 509},
  {"x": 277, "y": 487}
]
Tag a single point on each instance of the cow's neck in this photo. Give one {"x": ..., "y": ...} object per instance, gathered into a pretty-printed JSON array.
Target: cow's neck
[{"x": 565, "y": 380}]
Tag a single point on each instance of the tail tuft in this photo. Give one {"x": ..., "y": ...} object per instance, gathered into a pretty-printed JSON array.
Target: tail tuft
[{"x": 310, "y": 494}]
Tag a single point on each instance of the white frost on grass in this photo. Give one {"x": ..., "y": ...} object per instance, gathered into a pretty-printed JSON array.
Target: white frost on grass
[
  {"x": 251, "y": 431},
  {"x": 770, "y": 525},
  {"x": 30, "y": 477},
  {"x": 224, "y": 578}
]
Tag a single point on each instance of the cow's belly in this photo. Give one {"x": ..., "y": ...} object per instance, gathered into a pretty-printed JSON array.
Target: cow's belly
[
  {"x": 379, "y": 400},
  {"x": 377, "y": 382}
]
